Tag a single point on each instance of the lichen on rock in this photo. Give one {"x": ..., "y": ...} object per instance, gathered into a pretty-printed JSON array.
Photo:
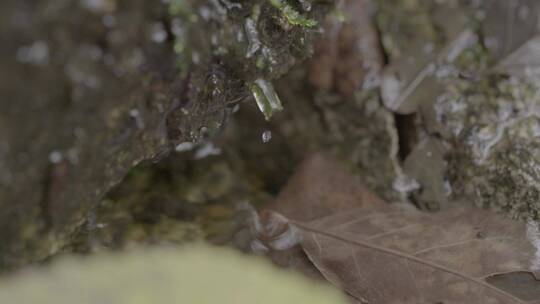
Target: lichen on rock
[{"x": 494, "y": 128}]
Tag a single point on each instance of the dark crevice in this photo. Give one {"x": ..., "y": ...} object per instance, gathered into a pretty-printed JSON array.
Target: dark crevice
[
  {"x": 406, "y": 124},
  {"x": 385, "y": 57},
  {"x": 407, "y": 132},
  {"x": 166, "y": 22}
]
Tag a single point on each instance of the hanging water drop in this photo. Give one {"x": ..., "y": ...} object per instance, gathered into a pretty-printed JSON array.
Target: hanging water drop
[
  {"x": 266, "y": 136},
  {"x": 266, "y": 97}
]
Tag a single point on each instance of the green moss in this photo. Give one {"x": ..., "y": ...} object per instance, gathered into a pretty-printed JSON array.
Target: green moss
[
  {"x": 473, "y": 59},
  {"x": 292, "y": 16},
  {"x": 223, "y": 47}
]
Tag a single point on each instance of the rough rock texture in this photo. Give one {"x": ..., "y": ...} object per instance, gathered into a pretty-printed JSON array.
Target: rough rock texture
[
  {"x": 490, "y": 114},
  {"x": 91, "y": 88},
  {"x": 334, "y": 102},
  {"x": 331, "y": 104},
  {"x": 84, "y": 93},
  {"x": 479, "y": 95},
  {"x": 495, "y": 133}
]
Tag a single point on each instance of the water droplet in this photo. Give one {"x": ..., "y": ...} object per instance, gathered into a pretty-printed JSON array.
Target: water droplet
[
  {"x": 266, "y": 97},
  {"x": 266, "y": 136},
  {"x": 56, "y": 157}
]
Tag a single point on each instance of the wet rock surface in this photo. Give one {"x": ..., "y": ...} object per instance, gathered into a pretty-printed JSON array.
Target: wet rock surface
[
  {"x": 208, "y": 106},
  {"x": 84, "y": 94},
  {"x": 248, "y": 167},
  {"x": 92, "y": 88}
]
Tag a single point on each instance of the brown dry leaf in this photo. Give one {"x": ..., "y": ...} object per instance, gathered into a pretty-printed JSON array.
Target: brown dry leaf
[
  {"x": 319, "y": 186},
  {"x": 382, "y": 253},
  {"x": 387, "y": 254}
]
